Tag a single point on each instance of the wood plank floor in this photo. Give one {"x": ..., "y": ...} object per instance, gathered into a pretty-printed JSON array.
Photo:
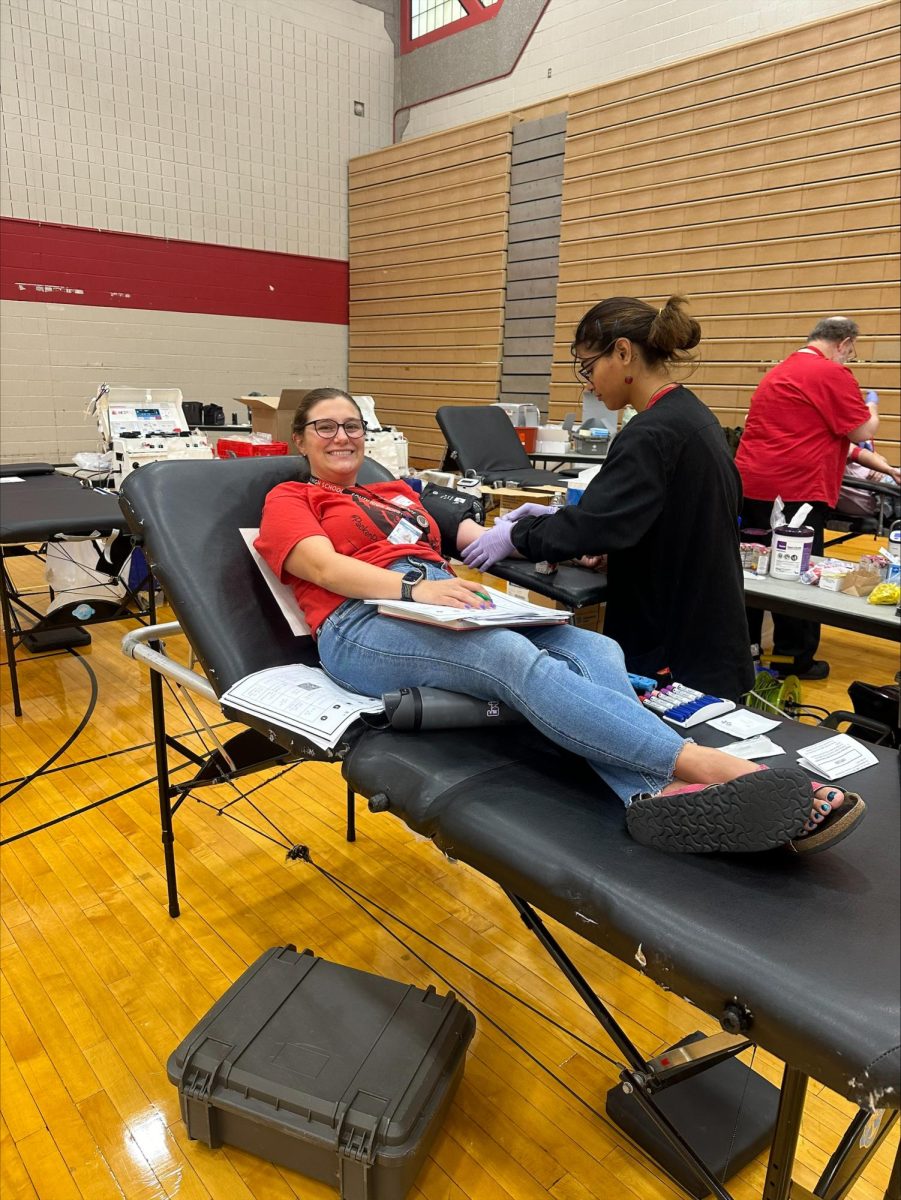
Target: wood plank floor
[{"x": 99, "y": 984}]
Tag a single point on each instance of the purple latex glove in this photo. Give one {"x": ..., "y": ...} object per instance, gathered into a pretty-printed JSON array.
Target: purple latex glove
[
  {"x": 527, "y": 510},
  {"x": 490, "y": 547}
]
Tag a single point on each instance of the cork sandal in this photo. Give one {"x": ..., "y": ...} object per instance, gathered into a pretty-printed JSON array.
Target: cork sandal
[
  {"x": 834, "y": 828},
  {"x": 757, "y": 811}
]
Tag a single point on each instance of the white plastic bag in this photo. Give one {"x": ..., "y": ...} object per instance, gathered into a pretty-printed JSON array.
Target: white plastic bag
[
  {"x": 390, "y": 448},
  {"x": 71, "y": 570}
]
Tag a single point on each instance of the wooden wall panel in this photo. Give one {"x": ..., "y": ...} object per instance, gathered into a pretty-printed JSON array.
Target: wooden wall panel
[
  {"x": 762, "y": 182},
  {"x": 428, "y": 263}
]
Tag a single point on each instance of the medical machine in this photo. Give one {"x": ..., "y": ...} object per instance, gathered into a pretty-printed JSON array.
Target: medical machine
[{"x": 143, "y": 425}]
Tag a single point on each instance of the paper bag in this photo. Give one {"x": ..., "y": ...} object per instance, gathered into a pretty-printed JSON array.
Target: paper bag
[{"x": 861, "y": 581}]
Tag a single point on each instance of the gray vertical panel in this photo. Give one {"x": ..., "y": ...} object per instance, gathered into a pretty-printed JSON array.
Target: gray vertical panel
[{"x": 533, "y": 240}]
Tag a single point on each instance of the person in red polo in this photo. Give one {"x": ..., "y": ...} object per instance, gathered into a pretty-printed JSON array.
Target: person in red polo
[{"x": 804, "y": 415}]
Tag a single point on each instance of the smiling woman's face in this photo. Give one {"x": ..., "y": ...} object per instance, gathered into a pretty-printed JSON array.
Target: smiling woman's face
[{"x": 334, "y": 459}]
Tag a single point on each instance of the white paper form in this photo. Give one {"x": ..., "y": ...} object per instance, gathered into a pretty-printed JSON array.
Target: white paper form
[
  {"x": 743, "y": 724},
  {"x": 11, "y": 479},
  {"x": 836, "y": 757},
  {"x": 752, "y": 747},
  {"x": 302, "y": 699}
]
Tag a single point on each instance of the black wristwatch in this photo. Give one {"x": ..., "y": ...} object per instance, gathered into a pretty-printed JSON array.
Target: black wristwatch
[{"x": 409, "y": 581}]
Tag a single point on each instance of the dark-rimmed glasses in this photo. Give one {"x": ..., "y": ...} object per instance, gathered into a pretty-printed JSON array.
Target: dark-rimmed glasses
[
  {"x": 328, "y": 429},
  {"x": 585, "y": 370}
]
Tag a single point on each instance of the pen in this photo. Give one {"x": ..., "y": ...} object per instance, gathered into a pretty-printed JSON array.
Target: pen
[{"x": 485, "y": 596}]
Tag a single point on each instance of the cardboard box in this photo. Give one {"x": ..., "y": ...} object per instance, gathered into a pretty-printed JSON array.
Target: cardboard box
[{"x": 275, "y": 414}]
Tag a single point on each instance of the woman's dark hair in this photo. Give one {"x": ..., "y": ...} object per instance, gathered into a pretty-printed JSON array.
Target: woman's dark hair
[
  {"x": 309, "y": 402},
  {"x": 661, "y": 335}
]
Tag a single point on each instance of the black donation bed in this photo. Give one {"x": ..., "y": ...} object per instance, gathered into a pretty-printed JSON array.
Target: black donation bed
[
  {"x": 798, "y": 956},
  {"x": 38, "y": 505}
]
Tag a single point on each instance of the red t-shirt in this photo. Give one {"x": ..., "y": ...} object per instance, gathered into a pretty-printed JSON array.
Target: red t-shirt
[
  {"x": 358, "y": 521},
  {"x": 795, "y": 443}
]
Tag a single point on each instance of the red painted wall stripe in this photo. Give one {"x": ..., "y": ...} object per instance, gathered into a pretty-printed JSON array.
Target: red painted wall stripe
[{"x": 67, "y": 264}]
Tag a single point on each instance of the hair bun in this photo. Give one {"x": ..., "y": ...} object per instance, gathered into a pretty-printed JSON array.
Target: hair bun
[{"x": 673, "y": 329}]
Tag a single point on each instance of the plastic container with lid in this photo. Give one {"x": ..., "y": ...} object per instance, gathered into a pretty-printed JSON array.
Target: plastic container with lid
[
  {"x": 247, "y": 446},
  {"x": 333, "y": 1072},
  {"x": 526, "y": 419}
]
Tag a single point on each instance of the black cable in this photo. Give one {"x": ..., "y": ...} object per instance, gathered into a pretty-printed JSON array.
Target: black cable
[
  {"x": 84, "y": 762},
  {"x": 596, "y": 1112},
  {"x": 76, "y": 812},
  {"x": 92, "y": 704},
  {"x": 807, "y": 709},
  {"x": 44, "y": 654},
  {"x": 358, "y": 898}
]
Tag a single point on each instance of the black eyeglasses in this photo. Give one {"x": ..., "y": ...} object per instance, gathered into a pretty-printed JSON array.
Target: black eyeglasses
[
  {"x": 354, "y": 428},
  {"x": 586, "y": 369}
]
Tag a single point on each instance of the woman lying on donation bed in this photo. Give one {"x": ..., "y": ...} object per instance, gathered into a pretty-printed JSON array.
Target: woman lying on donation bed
[{"x": 337, "y": 543}]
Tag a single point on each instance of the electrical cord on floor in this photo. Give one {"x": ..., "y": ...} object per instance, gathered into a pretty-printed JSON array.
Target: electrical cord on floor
[
  {"x": 362, "y": 900},
  {"x": 358, "y": 899},
  {"x": 76, "y": 812},
  {"x": 350, "y": 895},
  {"x": 89, "y": 711},
  {"x": 85, "y": 762}
]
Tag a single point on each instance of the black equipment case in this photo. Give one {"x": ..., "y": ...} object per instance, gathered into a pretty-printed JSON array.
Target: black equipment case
[{"x": 338, "y": 1074}]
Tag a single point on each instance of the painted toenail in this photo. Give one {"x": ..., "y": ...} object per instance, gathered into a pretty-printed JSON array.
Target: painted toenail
[{"x": 825, "y": 807}]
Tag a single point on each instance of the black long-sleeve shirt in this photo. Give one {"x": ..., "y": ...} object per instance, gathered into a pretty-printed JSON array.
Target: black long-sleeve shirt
[{"x": 664, "y": 508}]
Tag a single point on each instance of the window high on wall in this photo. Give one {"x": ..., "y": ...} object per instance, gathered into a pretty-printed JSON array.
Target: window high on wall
[{"x": 425, "y": 21}]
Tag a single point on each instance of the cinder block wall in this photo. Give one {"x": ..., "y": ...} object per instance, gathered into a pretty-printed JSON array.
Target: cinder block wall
[{"x": 214, "y": 123}]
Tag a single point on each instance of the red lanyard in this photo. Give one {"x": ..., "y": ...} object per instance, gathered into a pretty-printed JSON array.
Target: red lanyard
[
  {"x": 669, "y": 387},
  {"x": 414, "y": 514}
]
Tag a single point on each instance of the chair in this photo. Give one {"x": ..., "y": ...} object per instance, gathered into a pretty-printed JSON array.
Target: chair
[
  {"x": 848, "y": 524},
  {"x": 480, "y": 438}
]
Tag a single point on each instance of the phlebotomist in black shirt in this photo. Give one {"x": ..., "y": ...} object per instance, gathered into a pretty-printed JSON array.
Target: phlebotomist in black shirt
[{"x": 663, "y": 509}]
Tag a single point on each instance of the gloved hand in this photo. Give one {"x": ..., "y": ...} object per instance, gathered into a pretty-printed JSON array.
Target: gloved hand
[
  {"x": 527, "y": 510},
  {"x": 872, "y": 397},
  {"x": 493, "y": 545}
]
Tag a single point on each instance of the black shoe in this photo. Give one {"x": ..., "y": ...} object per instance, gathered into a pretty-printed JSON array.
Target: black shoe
[{"x": 818, "y": 669}]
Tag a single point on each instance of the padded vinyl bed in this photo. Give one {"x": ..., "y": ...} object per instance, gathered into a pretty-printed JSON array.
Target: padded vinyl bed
[{"x": 799, "y": 956}]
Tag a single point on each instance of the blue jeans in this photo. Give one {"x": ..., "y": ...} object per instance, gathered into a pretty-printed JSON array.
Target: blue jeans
[{"x": 570, "y": 683}]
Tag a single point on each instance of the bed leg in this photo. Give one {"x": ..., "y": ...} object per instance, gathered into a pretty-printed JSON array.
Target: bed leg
[
  {"x": 894, "y": 1184},
  {"x": 634, "y": 1077},
  {"x": 618, "y": 1036},
  {"x": 8, "y": 636},
  {"x": 162, "y": 783},
  {"x": 865, "y": 1133},
  {"x": 778, "y": 1183},
  {"x": 351, "y": 834}
]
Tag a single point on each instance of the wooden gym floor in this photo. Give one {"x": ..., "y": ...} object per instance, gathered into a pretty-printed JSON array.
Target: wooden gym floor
[{"x": 99, "y": 984}]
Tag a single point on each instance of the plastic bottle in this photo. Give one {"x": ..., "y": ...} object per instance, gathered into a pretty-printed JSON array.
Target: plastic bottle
[{"x": 558, "y": 501}]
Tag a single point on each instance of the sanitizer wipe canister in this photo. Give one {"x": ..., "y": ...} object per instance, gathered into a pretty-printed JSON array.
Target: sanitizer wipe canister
[{"x": 790, "y": 554}]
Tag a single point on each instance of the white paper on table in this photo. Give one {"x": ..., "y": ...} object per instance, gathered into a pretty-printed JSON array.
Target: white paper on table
[
  {"x": 753, "y": 747},
  {"x": 11, "y": 479},
  {"x": 743, "y": 724},
  {"x": 836, "y": 757},
  {"x": 284, "y": 597}
]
